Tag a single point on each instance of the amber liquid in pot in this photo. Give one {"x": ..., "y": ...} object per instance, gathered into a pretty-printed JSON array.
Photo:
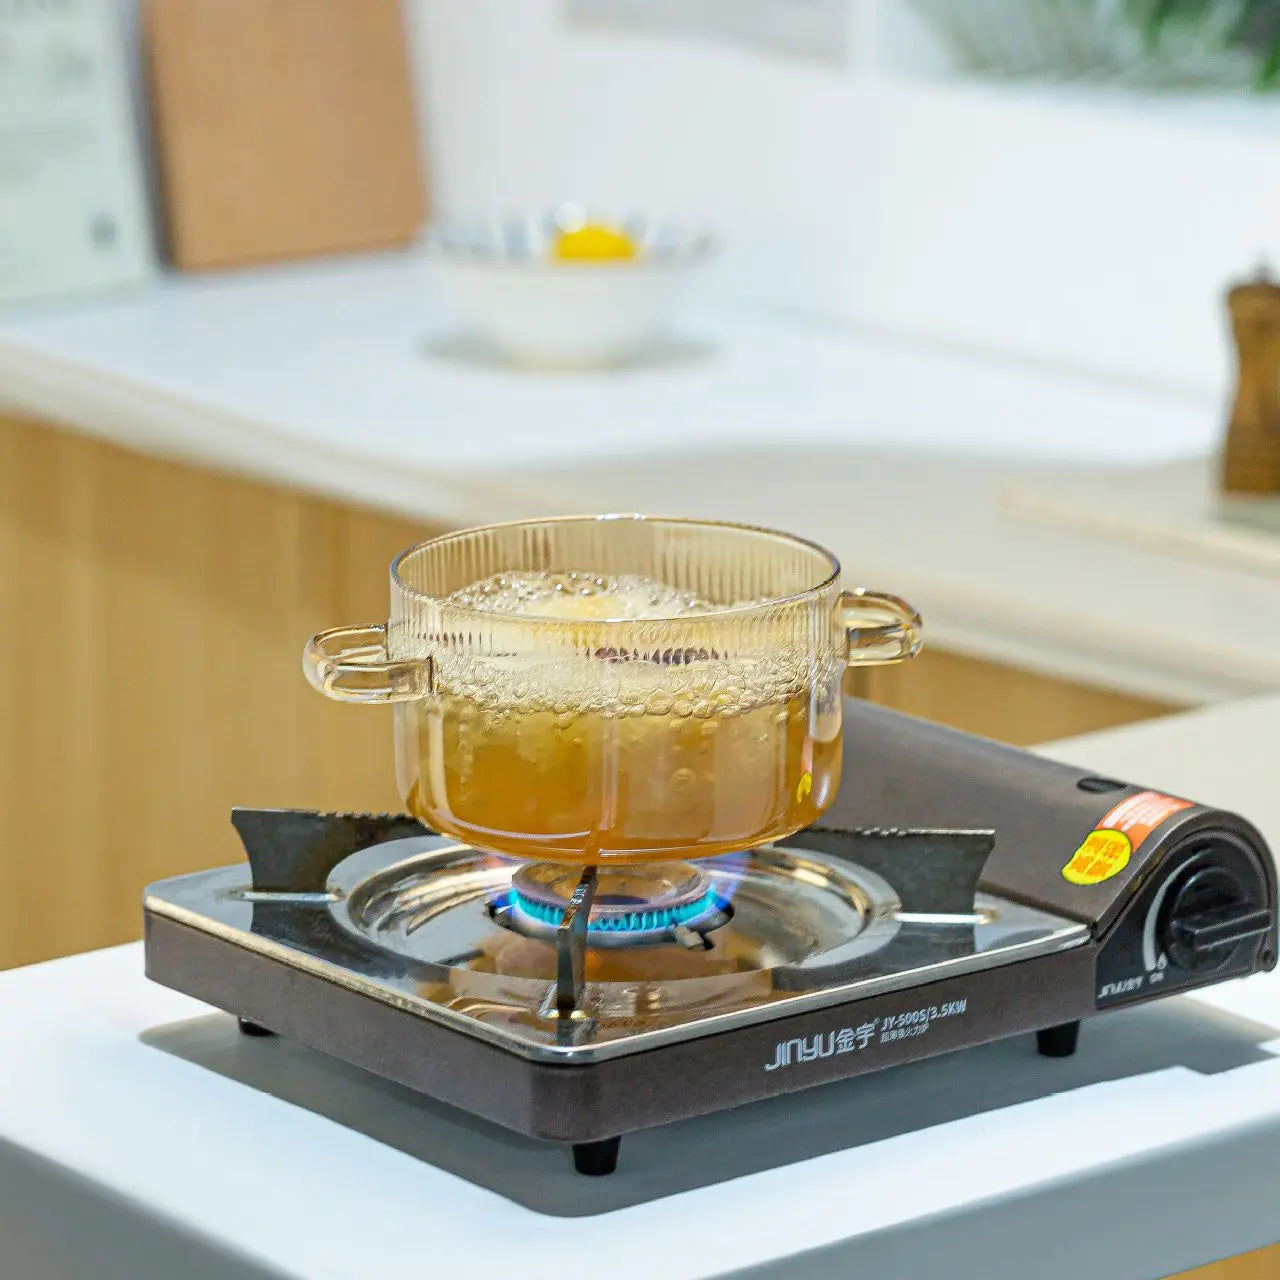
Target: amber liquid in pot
[
  {"x": 721, "y": 758},
  {"x": 645, "y": 788}
]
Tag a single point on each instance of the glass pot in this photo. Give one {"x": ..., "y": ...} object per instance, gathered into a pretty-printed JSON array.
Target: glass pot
[{"x": 595, "y": 739}]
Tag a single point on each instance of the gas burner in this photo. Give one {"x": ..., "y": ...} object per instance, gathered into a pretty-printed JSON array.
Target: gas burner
[
  {"x": 553, "y": 984},
  {"x": 577, "y": 1004},
  {"x": 631, "y": 905}
]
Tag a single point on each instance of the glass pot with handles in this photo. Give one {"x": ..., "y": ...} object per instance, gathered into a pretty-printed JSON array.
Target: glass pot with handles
[{"x": 572, "y": 732}]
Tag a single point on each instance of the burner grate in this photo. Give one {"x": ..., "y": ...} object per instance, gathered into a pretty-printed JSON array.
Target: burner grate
[{"x": 423, "y": 924}]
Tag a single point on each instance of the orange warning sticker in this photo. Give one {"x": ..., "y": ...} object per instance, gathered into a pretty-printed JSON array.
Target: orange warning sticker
[
  {"x": 1140, "y": 815},
  {"x": 1109, "y": 846}
]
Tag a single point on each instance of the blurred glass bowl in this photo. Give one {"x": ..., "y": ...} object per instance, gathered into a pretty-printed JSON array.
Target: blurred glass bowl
[{"x": 512, "y": 292}]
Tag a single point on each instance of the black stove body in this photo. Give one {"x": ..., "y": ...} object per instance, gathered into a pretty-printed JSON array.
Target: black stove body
[{"x": 959, "y": 891}]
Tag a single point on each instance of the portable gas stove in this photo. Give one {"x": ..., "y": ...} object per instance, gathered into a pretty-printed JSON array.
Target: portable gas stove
[{"x": 959, "y": 891}]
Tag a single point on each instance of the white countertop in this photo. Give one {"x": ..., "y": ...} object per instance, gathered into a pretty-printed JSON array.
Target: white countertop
[
  {"x": 344, "y": 378},
  {"x": 1155, "y": 1149}
]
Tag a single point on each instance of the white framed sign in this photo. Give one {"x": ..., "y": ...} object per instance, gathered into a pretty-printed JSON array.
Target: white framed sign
[{"x": 73, "y": 210}]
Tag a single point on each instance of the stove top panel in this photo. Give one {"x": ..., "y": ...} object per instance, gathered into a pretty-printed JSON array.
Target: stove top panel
[{"x": 464, "y": 939}]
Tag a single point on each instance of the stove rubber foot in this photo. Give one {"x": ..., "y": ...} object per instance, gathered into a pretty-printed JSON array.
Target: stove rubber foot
[
  {"x": 1058, "y": 1042},
  {"x": 248, "y": 1028},
  {"x": 596, "y": 1159}
]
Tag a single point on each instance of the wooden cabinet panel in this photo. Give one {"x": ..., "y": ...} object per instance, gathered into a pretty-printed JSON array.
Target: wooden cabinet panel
[
  {"x": 154, "y": 617},
  {"x": 1000, "y": 702},
  {"x": 1263, "y": 1264}
]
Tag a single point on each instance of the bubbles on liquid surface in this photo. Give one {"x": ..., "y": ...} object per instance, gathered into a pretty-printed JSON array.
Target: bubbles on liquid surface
[
  {"x": 640, "y": 679},
  {"x": 582, "y": 595}
]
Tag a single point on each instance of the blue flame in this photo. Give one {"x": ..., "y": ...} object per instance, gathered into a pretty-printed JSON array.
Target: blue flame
[{"x": 639, "y": 921}]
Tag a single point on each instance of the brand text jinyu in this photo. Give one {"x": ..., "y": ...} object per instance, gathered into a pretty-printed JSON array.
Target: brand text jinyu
[{"x": 896, "y": 1026}]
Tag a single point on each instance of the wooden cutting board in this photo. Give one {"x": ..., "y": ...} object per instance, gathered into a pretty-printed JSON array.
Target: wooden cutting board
[{"x": 283, "y": 127}]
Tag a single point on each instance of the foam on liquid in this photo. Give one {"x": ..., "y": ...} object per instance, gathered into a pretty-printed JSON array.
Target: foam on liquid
[
  {"x": 712, "y": 681},
  {"x": 580, "y": 595}
]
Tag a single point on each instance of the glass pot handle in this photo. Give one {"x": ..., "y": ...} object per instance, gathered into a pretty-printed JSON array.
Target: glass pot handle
[
  {"x": 351, "y": 664},
  {"x": 878, "y": 627}
]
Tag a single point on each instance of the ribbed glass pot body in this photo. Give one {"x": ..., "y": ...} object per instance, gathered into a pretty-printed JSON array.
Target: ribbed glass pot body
[{"x": 588, "y": 739}]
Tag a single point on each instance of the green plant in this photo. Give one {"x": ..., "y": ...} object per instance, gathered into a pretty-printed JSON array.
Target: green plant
[{"x": 1252, "y": 26}]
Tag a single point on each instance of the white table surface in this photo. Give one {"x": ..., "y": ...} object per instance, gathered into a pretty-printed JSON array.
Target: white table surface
[
  {"x": 1156, "y": 1148},
  {"x": 355, "y": 360},
  {"x": 345, "y": 378}
]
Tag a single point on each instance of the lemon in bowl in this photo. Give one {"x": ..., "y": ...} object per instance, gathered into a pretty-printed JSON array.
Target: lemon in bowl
[{"x": 594, "y": 242}]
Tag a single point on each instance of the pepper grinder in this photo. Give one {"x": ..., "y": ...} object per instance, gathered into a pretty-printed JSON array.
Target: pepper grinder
[{"x": 1250, "y": 475}]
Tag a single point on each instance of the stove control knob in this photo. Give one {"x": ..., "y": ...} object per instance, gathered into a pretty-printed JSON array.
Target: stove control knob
[{"x": 1205, "y": 914}]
